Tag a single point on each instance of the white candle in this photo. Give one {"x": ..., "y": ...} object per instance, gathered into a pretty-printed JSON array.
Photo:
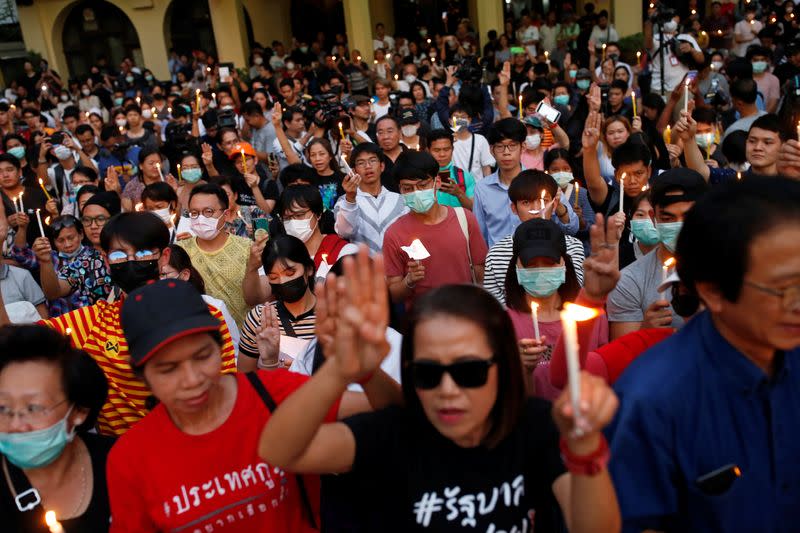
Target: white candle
[
  {"x": 160, "y": 175},
  {"x": 572, "y": 314},
  {"x": 535, "y": 316},
  {"x": 665, "y": 268},
  {"x": 798, "y": 130},
  {"x": 53, "y": 524},
  {"x": 686, "y": 97},
  {"x": 621, "y": 191},
  {"x": 39, "y": 219},
  {"x": 541, "y": 205}
]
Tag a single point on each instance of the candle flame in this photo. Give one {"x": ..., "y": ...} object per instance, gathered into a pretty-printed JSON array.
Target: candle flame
[
  {"x": 358, "y": 58},
  {"x": 646, "y": 187},
  {"x": 47, "y": 220},
  {"x": 138, "y": 207},
  {"x": 534, "y": 307},
  {"x": 68, "y": 331},
  {"x": 325, "y": 257},
  {"x": 172, "y": 219},
  {"x": 579, "y": 313},
  {"x": 542, "y": 196},
  {"x": 197, "y": 92},
  {"x": 50, "y": 519},
  {"x": 375, "y": 61},
  {"x": 669, "y": 263}
]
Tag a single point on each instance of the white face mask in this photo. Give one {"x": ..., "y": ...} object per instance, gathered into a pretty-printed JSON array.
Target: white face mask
[
  {"x": 716, "y": 65},
  {"x": 62, "y": 152},
  {"x": 289, "y": 66},
  {"x": 205, "y": 227},
  {"x": 86, "y": 92},
  {"x": 562, "y": 178},
  {"x": 146, "y": 113},
  {"x": 121, "y": 123},
  {"x": 410, "y": 78},
  {"x": 409, "y": 131},
  {"x": 533, "y": 141},
  {"x": 299, "y": 228},
  {"x": 258, "y": 60},
  {"x": 64, "y": 97},
  {"x": 165, "y": 215}
]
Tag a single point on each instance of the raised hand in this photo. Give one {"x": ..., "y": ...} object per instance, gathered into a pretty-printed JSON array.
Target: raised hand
[
  {"x": 594, "y": 98},
  {"x": 277, "y": 115},
  {"x": 42, "y": 249},
  {"x": 51, "y": 207},
  {"x": 326, "y": 314},
  {"x": 268, "y": 335},
  {"x": 591, "y": 132},
  {"x": 111, "y": 180},
  {"x": 505, "y": 74},
  {"x": 208, "y": 155},
  {"x": 601, "y": 269},
  {"x": 350, "y": 185}
]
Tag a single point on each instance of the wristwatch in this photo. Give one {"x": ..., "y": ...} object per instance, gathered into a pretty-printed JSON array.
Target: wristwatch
[{"x": 586, "y": 465}]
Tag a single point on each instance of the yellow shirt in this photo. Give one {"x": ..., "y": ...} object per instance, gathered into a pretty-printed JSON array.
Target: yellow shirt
[{"x": 223, "y": 271}]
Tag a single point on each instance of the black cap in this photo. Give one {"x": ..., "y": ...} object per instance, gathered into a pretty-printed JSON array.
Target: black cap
[
  {"x": 162, "y": 312},
  {"x": 539, "y": 238},
  {"x": 360, "y": 99},
  {"x": 4, "y": 106},
  {"x": 408, "y": 116},
  {"x": 677, "y": 185},
  {"x": 107, "y": 200}
]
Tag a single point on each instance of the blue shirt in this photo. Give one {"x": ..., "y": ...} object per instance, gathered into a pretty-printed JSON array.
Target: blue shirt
[
  {"x": 492, "y": 208},
  {"x": 691, "y": 405}
]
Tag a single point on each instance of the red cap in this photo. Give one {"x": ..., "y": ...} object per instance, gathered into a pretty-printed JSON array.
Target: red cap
[{"x": 237, "y": 150}]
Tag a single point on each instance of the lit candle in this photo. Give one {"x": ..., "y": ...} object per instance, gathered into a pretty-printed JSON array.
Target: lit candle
[
  {"x": 358, "y": 58},
  {"x": 633, "y": 101},
  {"x": 47, "y": 220},
  {"x": 520, "y": 107},
  {"x": 604, "y": 52},
  {"x": 341, "y": 131},
  {"x": 87, "y": 115},
  {"x": 709, "y": 141},
  {"x": 665, "y": 268},
  {"x": 197, "y": 96},
  {"x": 694, "y": 12},
  {"x": 214, "y": 98},
  {"x": 738, "y": 175},
  {"x": 39, "y": 219},
  {"x": 180, "y": 176},
  {"x": 244, "y": 162},
  {"x": 53, "y": 524},
  {"x": 577, "y": 190},
  {"x": 668, "y": 135},
  {"x": 547, "y": 57},
  {"x": 138, "y": 207},
  {"x": 138, "y": 101},
  {"x": 160, "y": 175},
  {"x": 570, "y": 316},
  {"x": 535, "y": 316},
  {"x": 396, "y": 77},
  {"x": 41, "y": 184},
  {"x": 541, "y": 205},
  {"x": 798, "y": 130},
  {"x": 686, "y": 97},
  {"x": 621, "y": 191},
  {"x": 169, "y": 110},
  {"x": 21, "y": 207},
  {"x": 44, "y": 88},
  {"x": 121, "y": 130},
  {"x": 719, "y": 32},
  {"x": 638, "y": 57},
  {"x": 454, "y": 124},
  {"x": 375, "y": 61}
]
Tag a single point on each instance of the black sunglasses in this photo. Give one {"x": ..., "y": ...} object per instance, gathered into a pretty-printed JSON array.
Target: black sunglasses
[
  {"x": 468, "y": 374},
  {"x": 64, "y": 221}
]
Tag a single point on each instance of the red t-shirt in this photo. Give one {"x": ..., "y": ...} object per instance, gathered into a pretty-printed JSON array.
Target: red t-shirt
[
  {"x": 445, "y": 242},
  {"x": 330, "y": 247},
  {"x": 162, "y": 479}
]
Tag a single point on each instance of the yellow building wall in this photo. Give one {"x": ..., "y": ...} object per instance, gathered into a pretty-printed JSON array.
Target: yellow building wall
[
  {"x": 271, "y": 20},
  {"x": 358, "y": 25},
  {"x": 382, "y": 11},
  {"x": 485, "y": 15}
]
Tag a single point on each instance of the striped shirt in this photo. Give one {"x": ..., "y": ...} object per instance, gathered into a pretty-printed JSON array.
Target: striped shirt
[
  {"x": 498, "y": 261},
  {"x": 302, "y": 327},
  {"x": 97, "y": 330},
  {"x": 367, "y": 220}
]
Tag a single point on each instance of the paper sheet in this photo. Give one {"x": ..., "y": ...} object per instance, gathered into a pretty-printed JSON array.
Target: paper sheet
[{"x": 416, "y": 250}]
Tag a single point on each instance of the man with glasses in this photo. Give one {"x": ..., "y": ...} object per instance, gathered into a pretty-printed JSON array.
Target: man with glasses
[
  {"x": 221, "y": 258},
  {"x": 706, "y": 437},
  {"x": 450, "y": 235},
  {"x": 135, "y": 245},
  {"x": 367, "y": 208}
]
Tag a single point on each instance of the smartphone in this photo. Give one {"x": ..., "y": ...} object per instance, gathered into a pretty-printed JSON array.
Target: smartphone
[
  {"x": 260, "y": 228},
  {"x": 444, "y": 15},
  {"x": 444, "y": 175},
  {"x": 718, "y": 481},
  {"x": 57, "y": 138},
  {"x": 551, "y": 114},
  {"x": 691, "y": 75},
  {"x": 517, "y": 50},
  {"x": 225, "y": 71}
]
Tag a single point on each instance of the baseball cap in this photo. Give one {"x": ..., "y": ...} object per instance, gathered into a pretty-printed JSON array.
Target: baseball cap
[
  {"x": 539, "y": 238},
  {"x": 238, "y": 147},
  {"x": 583, "y": 73},
  {"x": 408, "y": 116},
  {"x": 4, "y": 106},
  {"x": 162, "y": 312},
  {"x": 677, "y": 185},
  {"x": 359, "y": 99},
  {"x": 534, "y": 121}
]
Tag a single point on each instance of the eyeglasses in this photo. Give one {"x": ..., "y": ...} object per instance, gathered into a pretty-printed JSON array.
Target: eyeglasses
[
  {"x": 468, "y": 374},
  {"x": 790, "y": 297},
  {"x": 32, "y": 414},
  {"x": 361, "y": 163},
  {"x": 100, "y": 220},
  {"x": 503, "y": 147},
  {"x": 118, "y": 256},
  {"x": 421, "y": 185},
  {"x": 300, "y": 215},
  {"x": 169, "y": 275},
  {"x": 208, "y": 212}
]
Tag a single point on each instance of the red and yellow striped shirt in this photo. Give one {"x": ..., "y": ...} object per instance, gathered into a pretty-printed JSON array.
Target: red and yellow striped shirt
[{"x": 97, "y": 330}]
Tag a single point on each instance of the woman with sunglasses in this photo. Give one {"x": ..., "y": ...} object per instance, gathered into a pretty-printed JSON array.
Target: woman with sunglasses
[{"x": 464, "y": 405}]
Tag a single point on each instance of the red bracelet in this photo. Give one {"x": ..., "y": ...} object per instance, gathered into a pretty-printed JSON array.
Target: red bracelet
[
  {"x": 586, "y": 465},
  {"x": 365, "y": 379}
]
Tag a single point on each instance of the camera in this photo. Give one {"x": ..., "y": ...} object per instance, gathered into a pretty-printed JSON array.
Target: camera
[
  {"x": 663, "y": 15},
  {"x": 469, "y": 70},
  {"x": 330, "y": 106},
  {"x": 179, "y": 137},
  {"x": 226, "y": 119}
]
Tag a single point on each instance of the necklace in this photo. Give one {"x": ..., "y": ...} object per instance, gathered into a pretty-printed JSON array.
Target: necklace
[{"x": 79, "y": 505}]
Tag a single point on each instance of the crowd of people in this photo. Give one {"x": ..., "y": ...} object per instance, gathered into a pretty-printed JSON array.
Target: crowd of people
[{"x": 526, "y": 281}]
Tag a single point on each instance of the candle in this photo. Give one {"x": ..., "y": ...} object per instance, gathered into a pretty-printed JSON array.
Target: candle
[
  {"x": 160, "y": 175},
  {"x": 541, "y": 205},
  {"x": 798, "y": 130},
  {"x": 86, "y": 115},
  {"x": 665, "y": 268},
  {"x": 644, "y": 188},
  {"x": 214, "y": 98},
  {"x": 169, "y": 110},
  {"x": 341, "y": 131},
  {"x": 738, "y": 175},
  {"x": 325, "y": 258},
  {"x": 358, "y": 58},
  {"x": 138, "y": 207},
  {"x": 547, "y": 57},
  {"x": 21, "y": 207},
  {"x": 180, "y": 176},
  {"x": 709, "y": 141},
  {"x": 719, "y": 32},
  {"x": 621, "y": 191},
  {"x": 638, "y": 57},
  {"x": 244, "y": 162},
  {"x": 668, "y": 135},
  {"x": 686, "y": 97},
  {"x": 520, "y": 107},
  {"x": 396, "y": 77},
  {"x": 121, "y": 130},
  {"x": 39, "y": 219},
  {"x": 633, "y": 101},
  {"x": 514, "y": 87},
  {"x": 41, "y": 184},
  {"x": 570, "y": 316},
  {"x": 53, "y": 524},
  {"x": 454, "y": 124},
  {"x": 577, "y": 190},
  {"x": 694, "y": 12},
  {"x": 375, "y": 61},
  {"x": 535, "y": 316},
  {"x": 604, "y": 52},
  {"x": 138, "y": 101},
  {"x": 197, "y": 104}
]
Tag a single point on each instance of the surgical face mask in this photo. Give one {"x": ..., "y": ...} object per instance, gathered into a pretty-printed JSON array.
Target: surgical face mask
[
  {"x": 206, "y": 228},
  {"x": 120, "y": 122},
  {"x": 17, "y": 151},
  {"x": 192, "y": 175},
  {"x": 164, "y": 214},
  {"x": 704, "y": 140},
  {"x": 583, "y": 84},
  {"x": 561, "y": 99},
  {"x": 70, "y": 255},
  {"x": 645, "y": 231},
  {"x": 533, "y": 141},
  {"x": 131, "y": 275},
  {"x": 573, "y": 73},
  {"x": 149, "y": 77},
  {"x": 118, "y": 101},
  {"x": 304, "y": 49},
  {"x": 290, "y": 65},
  {"x": 146, "y": 113},
  {"x": 410, "y": 78},
  {"x": 562, "y": 178},
  {"x": 62, "y": 152},
  {"x": 423, "y": 32},
  {"x": 670, "y": 27},
  {"x": 86, "y": 92},
  {"x": 668, "y": 234},
  {"x": 258, "y": 60},
  {"x": 462, "y": 123},
  {"x": 409, "y": 131},
  {"x": 64, "y": 97},
  {"x": 716, "y": 65},
  {"x": 34, "y": 449},
  {"x": 420, "y": 201},
  {"x": 541, "y": 282},
  {"x": 759, "y": 67},
  {"x": 299, "y": 228},
  {"x": 291, "y": 291}
]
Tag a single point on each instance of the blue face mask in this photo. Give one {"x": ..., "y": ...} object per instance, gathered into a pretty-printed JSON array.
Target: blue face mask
[
  {"x": 17, "y": 151},
  {"x": 668, "y": 234},
  {"x": 573, "y": 73},
  {"x": 192, "y": 175},
  {"x": 420, "y": 201},
  {"x": 561, "y": 99},
  {"x": 759, "y": 67},
  {"x": 541, "y": 282},
  {"x": 118, "y": 101},
  {"x": 645, "y": 231},
  {"x": 562, "y": 178},
  {"x": 35, "y": 449},
  {"x": 583, "y": 84}
]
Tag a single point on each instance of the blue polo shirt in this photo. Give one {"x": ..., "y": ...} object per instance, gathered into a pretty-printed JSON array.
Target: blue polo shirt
[
  {"x": 691, "y": 405},
  {"x": 496, "y": 220}
]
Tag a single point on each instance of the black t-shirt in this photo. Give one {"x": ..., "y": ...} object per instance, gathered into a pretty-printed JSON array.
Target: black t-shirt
[
  {"x": 97, "y": 516},
  {"x": 427, "y": 482},
  {"x": 269, "y": 189},
  {"x": 611, "y": 207}
]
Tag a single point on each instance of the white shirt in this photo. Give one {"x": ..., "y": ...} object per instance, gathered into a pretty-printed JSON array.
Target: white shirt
[
  {"x": 482, "y": 156},
  {"x": 600, "y": 35},
  {"x": 675, "y": 70},
  {"x": 367, "y": 219},
  {"x": 743, "y": 28},
  {"x": 380, "y": 110},
  {"x": 531, "y": 33},
  {"x": 387, "y": 43},
  {"x": 232, "y": 327}
]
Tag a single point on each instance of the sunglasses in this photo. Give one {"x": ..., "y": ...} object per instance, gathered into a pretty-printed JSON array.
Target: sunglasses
[
  {"x": 468, "y": 374},
  {"x": 65, "y": 221}
]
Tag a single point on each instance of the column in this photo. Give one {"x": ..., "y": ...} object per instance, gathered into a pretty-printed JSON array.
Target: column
[
  {"x": 41, "y": 26},
  {"x": 627, "y": 17},
  {"x": 227, "y": 17},
  {"x": 487, "y": 15},
  {"x": 358, "y": 25},
  {"x": 382, "y": 11},
  {"x": 149, "y": 24},
  {"x": 269, "y": 19}
]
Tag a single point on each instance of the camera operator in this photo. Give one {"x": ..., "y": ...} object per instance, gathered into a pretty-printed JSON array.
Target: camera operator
[
  {"x": 118, "y": 154},
  {"x": 474, "y": 97},
  {"x": 677, "y": 53},
  {"x": 360, "y": 111},
  {"x": 713, "y": 87}
]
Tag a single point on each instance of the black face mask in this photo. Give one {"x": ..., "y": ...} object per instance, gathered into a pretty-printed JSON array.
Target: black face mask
[
  {"x": 684, "y": 303},
  {"x": 131, "y": 275},
  {"x": 291, "y": 291}
]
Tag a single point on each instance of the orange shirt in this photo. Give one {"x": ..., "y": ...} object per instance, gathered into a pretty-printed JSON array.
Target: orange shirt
[{"x": 97, "y": 330}]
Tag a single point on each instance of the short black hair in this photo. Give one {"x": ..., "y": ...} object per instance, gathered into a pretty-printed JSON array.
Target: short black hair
[
  {"x": 554, "y": 154},
  {"x": 296, "y": 172},
  {"x": 252, "y": 108},
  {"x": 369, "y": 148},
  {"x": 734, "y": 147},
  {"x": 619, "y": 84},
  {"x": 439, "y": 134},
  {"x": 286, "y": 82},
  {"x": 83, "y": 128},
  {"x": 307, "y": 196},
  {"x": 134, "y": 108},
  {"x": 757, "y": 50},
  {"x": 631, "y": 151},
  {"x": 387, "y": 117},
  {"x": 8, "y": 158},
  {"x": 71, "y": 111},
  {"x": 142, "y": 230},
  {"x": 528, "y": 185},
  {"x": 213, "y": 189},
  {"x": 507, "y": 129},
  {"x": 147, "y": 151},
  {"x": 283, "y": 247},
  {"x": 108, "y": 131},
  {"x": 289, "y": 113},
  {"x": 739, "y": 69},
  {"x": 706, "y": 115},
  {"x": 89, "y": 172},
  {"x": 714, "y": 243},
  {"x": 414, "y": 165},
  {"x": 160, "y": 191},
  {"x": 84, "y": 383},
  {"x": 768, "y": 122}
]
